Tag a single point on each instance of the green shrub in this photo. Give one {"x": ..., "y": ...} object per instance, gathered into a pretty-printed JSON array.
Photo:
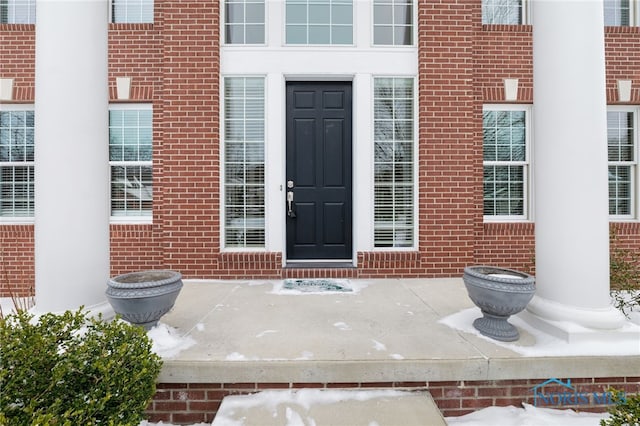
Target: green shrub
[
  {"x": 625, "y": 412},
  {"x": 72, "y": 369}
]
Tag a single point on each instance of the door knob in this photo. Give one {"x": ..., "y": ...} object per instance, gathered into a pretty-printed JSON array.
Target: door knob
[{"x": 289, "y": 184}]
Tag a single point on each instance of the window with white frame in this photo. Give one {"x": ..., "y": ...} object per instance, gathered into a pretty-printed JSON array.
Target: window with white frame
[
  {"x": 505, "y": 148},
  {"x": 244, "y": 184},
  {"x": 393, "y": 22},
  {"x": 244, "y": 21},
  {"x": 394, "y": 162},
  {"x": 16, "y": 162},
  {"x": 130, "y": 160},
  {"x": 17, "y": 11},
  {"x": 622, "y": 144},
  {"x": 618, "y": 12},
  {"x": 509, "y": 12},
  {"x": 319, "y": 22},
  {"x": 132, "y": 11}
]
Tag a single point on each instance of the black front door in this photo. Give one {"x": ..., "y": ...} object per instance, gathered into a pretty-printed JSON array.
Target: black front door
[{"x": 318, "y": 187}]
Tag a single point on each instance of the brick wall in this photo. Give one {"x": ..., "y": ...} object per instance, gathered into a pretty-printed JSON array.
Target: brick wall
[
  {"x": 186, "y": 403},
  {"x": 174, "y": 65}
]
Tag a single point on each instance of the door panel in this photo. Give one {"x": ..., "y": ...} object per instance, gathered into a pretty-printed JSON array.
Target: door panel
[{"x": 319, "y": 164}]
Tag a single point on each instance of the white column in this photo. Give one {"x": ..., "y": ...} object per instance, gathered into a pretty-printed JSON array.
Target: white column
[
  {"x": 71, "y": 155},
  {"x": 570, "y": 165}
]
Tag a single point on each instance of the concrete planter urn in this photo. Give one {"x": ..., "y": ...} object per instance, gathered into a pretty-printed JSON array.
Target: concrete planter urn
[
  {"x": 143, "y": 297},
  {"x": 499, "y": 293}
]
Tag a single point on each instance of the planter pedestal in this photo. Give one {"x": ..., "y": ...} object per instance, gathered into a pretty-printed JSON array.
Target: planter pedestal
[{"x": 499, "y": 293}]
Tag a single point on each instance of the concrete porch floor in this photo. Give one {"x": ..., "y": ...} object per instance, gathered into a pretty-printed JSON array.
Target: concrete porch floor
[{"x": 246, "y": 332}]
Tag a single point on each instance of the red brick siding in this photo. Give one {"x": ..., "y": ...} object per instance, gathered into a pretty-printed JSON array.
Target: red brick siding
[
  {"x": 449, "y": 181},
  {"x": 185, "y": 403},
  {"x": 17, "y": 59},
  {"x": 622, "y": 52},
  {"x": 190, "y": 156},
  {"x": 16, "y": 261},
  {"x": 173, "y": 64}
]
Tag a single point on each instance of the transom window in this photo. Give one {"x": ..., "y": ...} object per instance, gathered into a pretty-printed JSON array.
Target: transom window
[
  {"x": 319, "y": 22},
  {"x": 393, "y": 22},
  {"x": 244, "y": 21},
  {"x": 132, "y": 11},
  {"x": 505, "y": 149},
  {"x": 623, "y": 163},
  {"x": 618, "y": 12},
  {"x": 244, "y": 162},
  {"x": 130, "y": 159},
  {"x": 17, "y": 11},
  {"x": 16, "y": 162},
  {"x": 509, "y": 12},
  {"x": 394, "y": 181}
]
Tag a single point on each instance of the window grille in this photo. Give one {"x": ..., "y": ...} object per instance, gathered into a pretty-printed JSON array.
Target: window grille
[
  {"x": 132, "y": 11},
  {"x": 244, "y": 200},
  {"x": 319, "y": 21},
  {"x": 622, "y": 156},
  {"x": 393, "y": 162},
  {"x": 130, "y": 159},
  {"x": 505, "y": 163},
  {"x": 17, "y": 11},
  {"x": 244, "y": 21},
  {"x": 393, "y": 22},
  {"x": 16, "y": 163}
]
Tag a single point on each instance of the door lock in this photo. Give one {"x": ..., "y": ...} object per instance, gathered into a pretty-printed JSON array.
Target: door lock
[
  {"x": 289, "y": 184},
  {"x": 290, "y": 212}
]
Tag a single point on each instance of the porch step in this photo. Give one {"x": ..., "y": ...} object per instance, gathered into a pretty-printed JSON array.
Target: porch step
[{"x": 330, "y": 407}]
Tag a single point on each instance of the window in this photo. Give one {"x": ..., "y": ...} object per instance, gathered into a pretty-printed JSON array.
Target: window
[
  {"x": 393, "y": 22},
  {"x": 617, "y": 12},
  {"x": 319, "y": 22},
  {"x": 505, "y": 148},
  {"x": 623, "y": 164},
  {"x": 17, "y": 11},
  {"x": 16, "y": 162},
  {"x": 509, "y": 12},
  {"x": 244, "y": 21},
  {"x": 244, "y": 162},
  {"x": 394, "y": 181},
  {"x": 132, "y": 11},
  {"x": 130, "y": 159}
]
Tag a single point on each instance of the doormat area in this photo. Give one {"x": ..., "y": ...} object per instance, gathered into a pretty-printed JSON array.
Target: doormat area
[{"x": 317, "y": 285}]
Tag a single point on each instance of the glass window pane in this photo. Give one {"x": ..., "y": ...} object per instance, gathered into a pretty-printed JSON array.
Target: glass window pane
[
  {"x": 616, "y": 13},
  {"x": 244, "y": 22},
  {"x": 131, "y": 156},
  {"x": 132, "y": 11},
  {"x": 319, "y": 22},
  {"x": 507, "y": 12},
  {"x": 244, "y": 162},
  {"x": 393, "y": 22},
  {"x": 17, "y": 154},
  {"x": 504, "y": 141},
  {"x": 393, "y": 162},
  {"x": 319, "y": 34}
]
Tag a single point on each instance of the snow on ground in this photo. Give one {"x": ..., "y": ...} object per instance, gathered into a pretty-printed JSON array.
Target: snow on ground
[
  {"x": 167, "y": 341},
  {"x": 528, "y": 415},
  {"x": 545, "y": 344},
  {"x": 491, "y": 416}
]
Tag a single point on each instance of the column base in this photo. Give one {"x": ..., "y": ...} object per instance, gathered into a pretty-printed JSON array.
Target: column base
[{"x": 574, "y": 324}]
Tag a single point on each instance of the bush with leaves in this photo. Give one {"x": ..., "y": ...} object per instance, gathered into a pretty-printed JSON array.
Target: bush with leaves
[
  {"x": 72, "y": 369},
  {"x": 624, "y": 275},
  {"x": 625, "y": 411}
]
